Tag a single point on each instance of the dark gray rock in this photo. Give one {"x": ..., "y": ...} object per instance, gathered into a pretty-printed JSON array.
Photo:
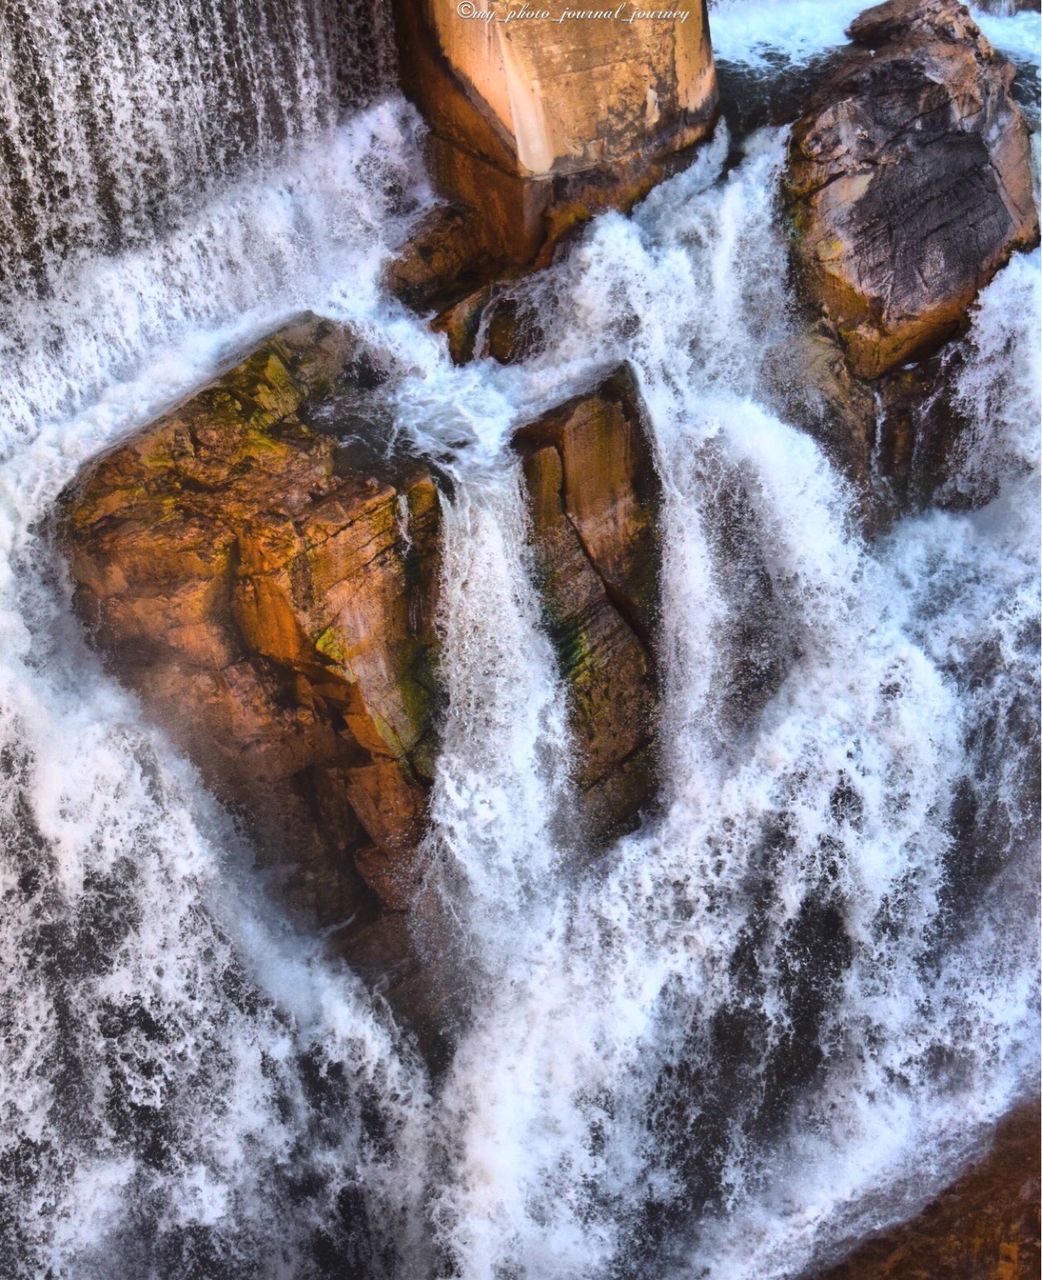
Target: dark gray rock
[{"x": 909, "y": 181}]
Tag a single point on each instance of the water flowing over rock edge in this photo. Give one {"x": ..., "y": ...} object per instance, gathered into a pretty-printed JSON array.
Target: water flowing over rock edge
[{"x": 490, "y": 400}]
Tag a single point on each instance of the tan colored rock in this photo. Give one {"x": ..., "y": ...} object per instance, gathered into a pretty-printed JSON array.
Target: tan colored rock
[
  {"x": 269, "y": 592},
  {"x": 539, "y": 118},
  {"x": 593, "y": 503},
  {"x": 910, "y": 182},
  {"x": 267, "y": 582},
  {"x": 983, "y": 1227},
  {"x": 461, "y": 323},
  {"x": 559, "y": 94}
]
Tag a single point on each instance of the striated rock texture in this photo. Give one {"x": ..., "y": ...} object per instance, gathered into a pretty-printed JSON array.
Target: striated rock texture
[
  {"x": 559, "y": 93},
  {"x": 540, "y": 116},
  {"x": 909, "y": 179},
  {"x": 984, "y": 1227},
  {"x": 593, "y": 504},
  {"x": 268, "y": 588},
  {"x": 265, "y": 577}
]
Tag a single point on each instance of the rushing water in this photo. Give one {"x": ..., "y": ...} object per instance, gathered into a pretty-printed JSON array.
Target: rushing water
[
  {"x": 113, "y": 113},
  {"x": 778, "y": 1014}
]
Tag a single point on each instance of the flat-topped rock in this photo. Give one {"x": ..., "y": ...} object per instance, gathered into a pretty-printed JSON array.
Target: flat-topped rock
[{"x": 544, "y": 114}]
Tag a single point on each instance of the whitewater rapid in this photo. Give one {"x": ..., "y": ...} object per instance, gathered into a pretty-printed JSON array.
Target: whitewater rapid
[{"x": 651, "y": 1077}]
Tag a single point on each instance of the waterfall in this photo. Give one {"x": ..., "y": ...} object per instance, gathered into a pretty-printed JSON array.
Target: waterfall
[
  {"x": 502, "y": 778},
  {"x": 113, "y": 115},
  {"x": 188, "y": 1088},
  {"x": 650, "y": 1077},
  {"x": 717, "y": 1053}
]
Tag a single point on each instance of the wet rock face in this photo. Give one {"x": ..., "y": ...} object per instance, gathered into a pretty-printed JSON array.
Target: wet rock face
[
  {"x": 267, "y": 585},
  {"x": 593, "y": 504},
  {"x": 909, "y": 181},
  {"x": 983, "y": 1227},
  {"x": 893, "y": 437},
  {"x": 441, "y": 261},
  {"x": 536, "y": 122},
  {"x": 547, "y": 94},
  {"x": 265, "y": 577},
  {"x": 492, "y": 322}
]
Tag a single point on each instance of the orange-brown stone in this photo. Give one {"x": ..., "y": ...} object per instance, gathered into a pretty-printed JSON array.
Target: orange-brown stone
[
  {"x": 271, "y": 597},
  {"x": 593, "y": 503},
  {"x": 985, "y": 1226},
  {"x": 540, "y": 122}
]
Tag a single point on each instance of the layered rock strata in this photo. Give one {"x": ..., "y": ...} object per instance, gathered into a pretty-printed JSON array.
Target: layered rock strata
[{"x": 267, "y": 584}]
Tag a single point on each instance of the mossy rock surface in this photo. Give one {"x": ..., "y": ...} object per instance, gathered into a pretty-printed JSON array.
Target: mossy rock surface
[{"x": 264, "y": 573}]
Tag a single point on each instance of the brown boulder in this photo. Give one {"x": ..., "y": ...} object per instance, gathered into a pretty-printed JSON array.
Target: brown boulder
[
  {"x": 265, "y": 577},
  {"x": 539, "y": 118},
  {"x": 492, "y": 322},
  {"x": 909, "y": 180},
  {"x": 983, "y": 1227},
  {"x": 593, "y": 503},
  {"x": 269, "y": 590},
  {"x": 461, "y": 323},
  {"x": 442, "y": 260}
]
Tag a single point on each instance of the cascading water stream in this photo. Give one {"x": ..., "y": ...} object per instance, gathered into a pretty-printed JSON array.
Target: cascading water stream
[
  {"x": 759, "y": 993},
  {"x": 777, "y": 1015},
  {"x": 503, "y": 771},
  {"x": 113, "y": 116}
]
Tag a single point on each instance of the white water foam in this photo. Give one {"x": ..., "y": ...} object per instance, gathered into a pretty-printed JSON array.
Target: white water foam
[
  {"x": 734, "y": 1041},
  {"x": 757, "y": 34},
  {"x": 116, "y": 116},
  {"x": 792, "y": 903},
  {"x": 503, "y": 770},
  {"x": 797, "y": 31}
]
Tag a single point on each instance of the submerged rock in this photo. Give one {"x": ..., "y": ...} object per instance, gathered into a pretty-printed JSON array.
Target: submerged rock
[
  {"x": 593, "y": 503},
  {"x": 892, "y": 437},
  {"x": 983, "y": 1227},
  {"x": 909, "y": 180},
  {"x": 267, "y": 584}
]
